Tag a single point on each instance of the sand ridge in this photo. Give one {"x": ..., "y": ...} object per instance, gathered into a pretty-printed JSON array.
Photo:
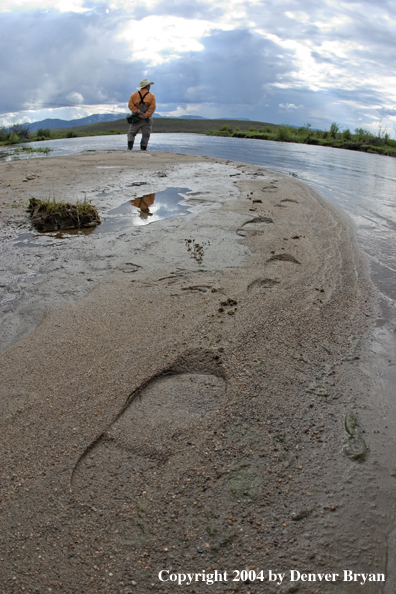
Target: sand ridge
[{"x": 189, "y": 412}]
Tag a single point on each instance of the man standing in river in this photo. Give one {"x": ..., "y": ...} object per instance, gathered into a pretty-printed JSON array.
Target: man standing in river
[{"x": 141, "y": 103}]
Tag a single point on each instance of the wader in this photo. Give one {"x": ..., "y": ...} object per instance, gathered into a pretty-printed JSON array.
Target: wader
[{"x": 144, "y": 125}]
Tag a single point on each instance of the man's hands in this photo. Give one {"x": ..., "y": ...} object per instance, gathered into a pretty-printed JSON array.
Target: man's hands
[{"x": 142, "y": 116}]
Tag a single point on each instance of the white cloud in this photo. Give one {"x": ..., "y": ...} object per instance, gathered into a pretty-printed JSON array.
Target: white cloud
[
  {"x": 60, "y": 5},
  {"x": 300, "y": 16},
  {"x": 159, "y": 39},
  {"x": 191, "y": 109},
  {"x": 76, "y": 98},
  {"x": 331, "y": 60},
  {"x": 127, "y": 5},
  {"x": 289, "y": 106},
  {"x": 324, "y": 21},
  {"x": 233, "y": 9}
]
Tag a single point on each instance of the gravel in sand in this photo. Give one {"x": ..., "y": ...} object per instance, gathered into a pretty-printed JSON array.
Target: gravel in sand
[{"x": 174, "y": 395}]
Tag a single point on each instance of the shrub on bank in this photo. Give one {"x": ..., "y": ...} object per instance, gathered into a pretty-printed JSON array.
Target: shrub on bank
[
  {"x": 334, "y": 129},
  {"x": 13, "y": 138},
  {"x": 22, "y": 131},
  {"x": 346, "y": 135},
  {"x": 14, "y": 134},
  {"x": 363, "y": 135},
  {"x": 3, "y": 134},
  {"x": 282, "y": 134},
  {"x": 9, "y": 136},
  {"x": 44, "y": 132}
]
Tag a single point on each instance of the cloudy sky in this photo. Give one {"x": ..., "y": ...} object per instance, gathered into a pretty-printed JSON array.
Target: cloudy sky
[{"x": 279, "y": 61}]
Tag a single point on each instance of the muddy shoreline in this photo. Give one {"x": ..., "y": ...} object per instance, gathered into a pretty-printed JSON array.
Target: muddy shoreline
[{"x": 174, "y": 396}]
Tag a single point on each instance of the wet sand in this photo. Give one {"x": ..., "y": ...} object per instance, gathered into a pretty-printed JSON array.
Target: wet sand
[{"x": 174, "y": 396}]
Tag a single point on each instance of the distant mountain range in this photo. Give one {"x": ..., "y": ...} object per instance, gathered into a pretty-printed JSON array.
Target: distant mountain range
[
  {"x": 101, "y": 117},
  {"x": 92, "y": 119}
]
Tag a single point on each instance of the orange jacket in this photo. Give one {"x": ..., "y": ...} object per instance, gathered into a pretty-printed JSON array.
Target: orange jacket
[{"x": 148, "y": 99}]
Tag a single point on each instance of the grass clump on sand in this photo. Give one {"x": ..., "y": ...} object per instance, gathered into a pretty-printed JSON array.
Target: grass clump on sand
[{"x": 50, "y": 215}]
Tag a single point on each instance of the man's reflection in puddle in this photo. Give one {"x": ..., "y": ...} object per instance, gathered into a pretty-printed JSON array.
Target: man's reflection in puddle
[{"x": 143, "y": 205}]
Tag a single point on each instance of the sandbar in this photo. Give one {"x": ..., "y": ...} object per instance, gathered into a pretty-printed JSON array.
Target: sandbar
[{"x": 174, "y": 395}]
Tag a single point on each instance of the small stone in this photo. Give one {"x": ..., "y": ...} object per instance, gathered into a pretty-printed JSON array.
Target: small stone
[{"x": 301, "y": 514}]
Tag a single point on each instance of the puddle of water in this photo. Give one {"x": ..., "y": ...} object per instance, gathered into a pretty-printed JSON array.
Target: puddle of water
[
  {"x": 139, "y": 211},
  {"x": 69, "y": 232},
  {"x": 23, "y": 240},
  {"x": 143, "y": 204},
  {"x": 145, "y": 209}
]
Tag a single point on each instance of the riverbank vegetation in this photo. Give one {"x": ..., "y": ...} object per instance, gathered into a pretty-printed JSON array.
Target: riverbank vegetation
[
  {"x": 358, "y": 140},
  {"x": 19, "y": 134}
]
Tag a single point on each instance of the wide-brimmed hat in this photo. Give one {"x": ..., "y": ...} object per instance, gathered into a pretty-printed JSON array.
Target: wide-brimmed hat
[{"x": 145, "y": 83}]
